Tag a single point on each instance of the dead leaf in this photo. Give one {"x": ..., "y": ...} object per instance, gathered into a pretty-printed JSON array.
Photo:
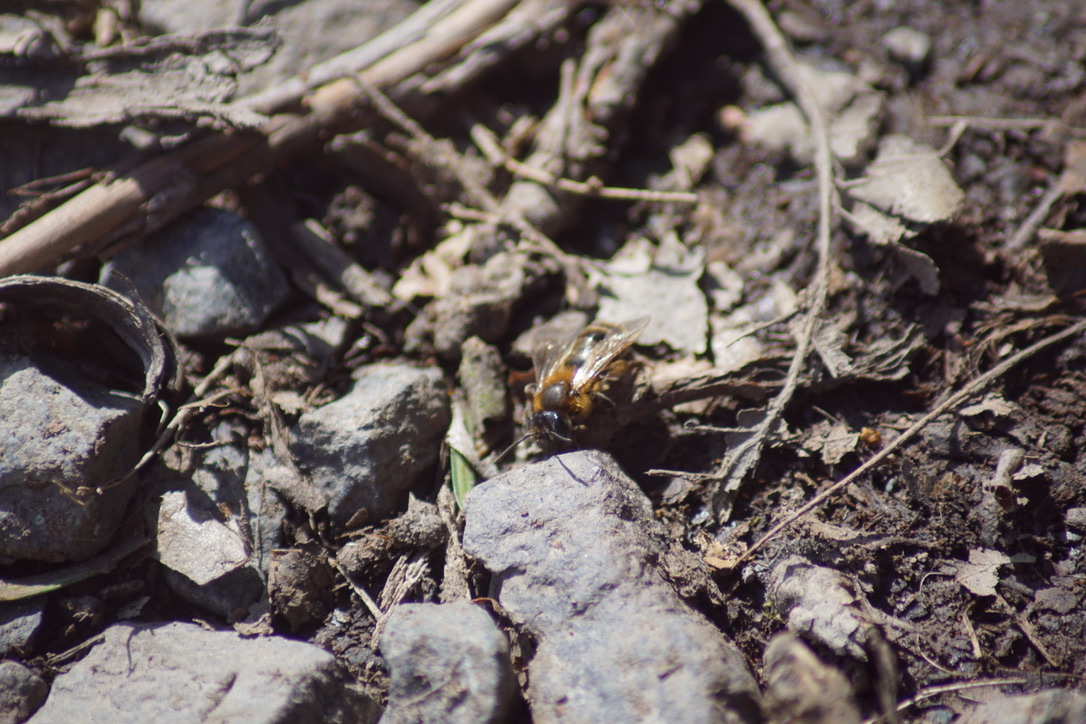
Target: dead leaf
[
  {"x": 1064, "y": 257},
  {"x": 724, "y": 286},
  {"x": 290, "y": 402},
  {"x": 689, "y": 161},
  {"x": 994, "y": 404},
  {"x": 981, "y": 574},
  {"x": 886, "y": 359},
  {"x": 852, "y": 106},
  {"x": 888, "y": 231},
  {"x": 908, "y": 180},
  {"x": 879, "y": 227},
  {"x": 829, "y": 342},
  {"x": 907, "y": 184},
  {"x": 431, "y": 274},
  {"x": 1029, "y": 471},
  {"x": 1058, "y": 599},
  {"x": 661, "y": 283},
  {"x": 832, "y": 440},
  {"x": 733, "y": 346}
]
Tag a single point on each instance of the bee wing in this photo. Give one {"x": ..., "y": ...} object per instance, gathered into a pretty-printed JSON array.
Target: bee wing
[
  {"x": 610, "y": 347},
  {"x": 548, "y": 353}
]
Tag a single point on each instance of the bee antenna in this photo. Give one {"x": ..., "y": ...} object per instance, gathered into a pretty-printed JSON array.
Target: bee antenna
[{"x": 513, "y": 446}]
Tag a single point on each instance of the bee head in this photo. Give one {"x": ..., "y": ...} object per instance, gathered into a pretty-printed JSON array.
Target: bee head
[{"x": 552, "y": 426}]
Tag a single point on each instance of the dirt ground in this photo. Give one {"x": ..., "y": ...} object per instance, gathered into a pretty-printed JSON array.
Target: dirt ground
[{"x": 962, "y": 546}]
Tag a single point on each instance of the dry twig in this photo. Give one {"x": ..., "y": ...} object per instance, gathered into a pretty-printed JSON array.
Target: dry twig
[
  {"x": 593, "y": 187},
  {"x": 941, "y": 689},
  {"x": 596, "y": 96},
  {"x": 950, "y": 403},
  {"x": 1005, "y": 124},
  {"x": 746, "y": 456},
  {"x": 148, "y": 197},
  {"x": 362, "y": 593}
]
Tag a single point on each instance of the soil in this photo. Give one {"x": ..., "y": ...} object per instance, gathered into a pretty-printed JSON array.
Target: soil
[{"x": 1002, "y": 97}]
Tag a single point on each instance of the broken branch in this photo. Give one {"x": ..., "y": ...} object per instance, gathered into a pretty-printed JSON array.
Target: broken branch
[
  {"x": 948, "y": 404},
  {"x": 153, "y": 194},
  {"x": 745, "y": 458}
]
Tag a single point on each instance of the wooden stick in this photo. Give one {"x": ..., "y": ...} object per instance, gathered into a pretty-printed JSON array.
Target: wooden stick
[
  {"x": 158, "y": 191},
  {"x": 741, "y": 461}
]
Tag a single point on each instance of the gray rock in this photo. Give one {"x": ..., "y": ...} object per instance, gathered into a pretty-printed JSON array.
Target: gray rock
[
  {"x": 21, "y": 692},
  {"x": 233, "y": 597},
  {"x": 577, "y": 559},
  {"x": 420, "y": 527},
  {"x": 55, "y": 437},
  {"x": 909, "y": 47},
  {"x": 19, "y": 622},
  {"x": 1076, "y": 519},
  {"x": 300, "y": 584},
  {"x": 234, "y": 478},
  {"x": 204, "y": 551},
  {"x": 193, "y": 541},
  {"x": 208, "y": 275},
  {"x": 311, "y": 343},
  {"x": 220, "y": 469},
  {"x": 482, "y": 377},
  {"x": 448, "y": 662},
  {"x": 187, "y": 16},
  {"x": 367, "y": 449},
  {"x": 215, "y": 561},
  {"x": 801, "y": 688},
  {"x": 1051, "y": 706},
  {"x": 180, "y": 672}
]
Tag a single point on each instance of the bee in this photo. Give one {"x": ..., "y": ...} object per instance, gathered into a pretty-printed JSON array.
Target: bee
[{"x": 572, "y": 377}]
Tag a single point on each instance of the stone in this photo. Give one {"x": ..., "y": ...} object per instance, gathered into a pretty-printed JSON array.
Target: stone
[
  {"x": 819, "y": 604},
  {"x": 181, "y": 672},
  {"x": 366, "y": 450},
  {"x": 909, "y": 47},
  {"x": 19, "y": 623},
  {"x": 1053, "y": 706},
  {"x": 480, "y": 302},
  {"x": 801, "y": 688},
  {"x": 208, "y": 275},
  {"x": 578, "y": 561},
  {"x": 233, "y": 597},
  {"x": 58, "y": 434},
  {"x": 192, "y": 541},
  {"x": 448, "y": 662},
  {"x": 267, "y": 511},
  {"x": 21, "y": 692},
  {"x": 300, "y": 585}
]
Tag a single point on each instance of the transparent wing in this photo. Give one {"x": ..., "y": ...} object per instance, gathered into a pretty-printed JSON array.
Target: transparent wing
[
  {"x": 611, "y": 346},
  {"x": 549, "y": 352}
]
